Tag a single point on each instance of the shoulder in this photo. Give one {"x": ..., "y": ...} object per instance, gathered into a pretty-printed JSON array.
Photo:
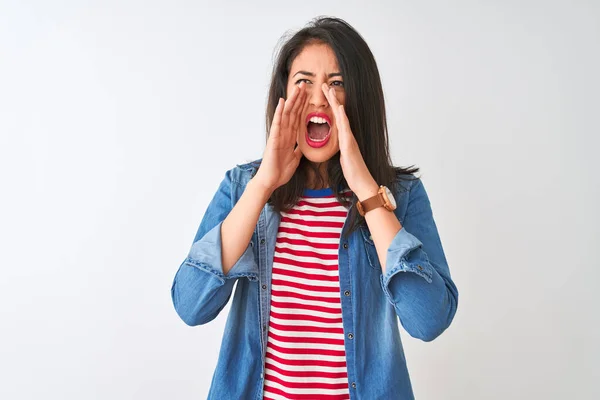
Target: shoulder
[
  {"x": 405, "y": 183},
  {"x": 241, "y": 174},
  {"x": 410, "y": 194}
]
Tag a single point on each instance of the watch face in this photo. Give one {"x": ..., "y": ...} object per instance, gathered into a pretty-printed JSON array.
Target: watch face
[{"x": 390, "y": 197}]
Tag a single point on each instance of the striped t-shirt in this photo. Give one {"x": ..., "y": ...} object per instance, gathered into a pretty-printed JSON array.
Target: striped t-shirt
[{"x": 306, "y": 358}]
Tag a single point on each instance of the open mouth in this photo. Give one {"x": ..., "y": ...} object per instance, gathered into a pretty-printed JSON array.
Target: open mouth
[{"x": 318, "y": 129}]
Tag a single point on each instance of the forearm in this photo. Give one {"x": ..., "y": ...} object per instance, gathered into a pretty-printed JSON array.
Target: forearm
[
  {"x": 382, "y": 224},
  {"x": 238, "y": 226},
  {"x": 417, "y": 279}
]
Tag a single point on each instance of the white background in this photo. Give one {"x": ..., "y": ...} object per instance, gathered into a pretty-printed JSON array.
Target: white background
[{"x": 118, "y": 120}]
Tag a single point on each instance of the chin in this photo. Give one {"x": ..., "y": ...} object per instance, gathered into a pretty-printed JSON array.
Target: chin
[
  {"x": 321, "y": 154},
  {"x": 317, "y": 158}
]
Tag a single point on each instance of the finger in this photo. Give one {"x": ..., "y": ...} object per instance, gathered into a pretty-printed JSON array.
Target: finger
[
  {"x": 275, "y": 125},
  {"x": 298, "y": 103},
  {"x": 342, "y": 117},
  {"x": 301, "y": 109},
  {"x": 338, "y": 109},
  {"x": 298, "y": 153},
  {"x": 332, "y": 99},
  {"x": 330, "y": 95},
  {"x": 289, "y": 103}
]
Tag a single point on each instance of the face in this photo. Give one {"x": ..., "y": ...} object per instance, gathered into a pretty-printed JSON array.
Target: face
[{"x": 315, "y": 65}]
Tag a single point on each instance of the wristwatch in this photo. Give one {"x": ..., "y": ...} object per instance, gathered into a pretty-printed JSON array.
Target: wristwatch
[{"x": 383, "y": 198}]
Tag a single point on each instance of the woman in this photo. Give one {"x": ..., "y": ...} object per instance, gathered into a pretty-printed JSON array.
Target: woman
[{"x": 328, "y": 242}]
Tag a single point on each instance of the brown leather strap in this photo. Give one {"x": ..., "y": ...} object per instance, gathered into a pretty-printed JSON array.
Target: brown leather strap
[{"x": 372, "y": 203}]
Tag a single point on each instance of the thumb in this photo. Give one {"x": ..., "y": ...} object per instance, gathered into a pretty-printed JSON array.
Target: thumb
[{"x": 298, "y": 153}]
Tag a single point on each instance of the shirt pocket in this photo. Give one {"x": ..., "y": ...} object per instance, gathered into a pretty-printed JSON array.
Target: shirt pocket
[{"x": 370, "y": 249}]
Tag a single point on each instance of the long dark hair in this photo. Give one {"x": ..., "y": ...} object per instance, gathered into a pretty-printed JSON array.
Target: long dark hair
[{"x": 364, "y": 106}]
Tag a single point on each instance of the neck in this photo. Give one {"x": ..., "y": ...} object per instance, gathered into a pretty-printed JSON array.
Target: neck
[{"x": 313, "y": 182}]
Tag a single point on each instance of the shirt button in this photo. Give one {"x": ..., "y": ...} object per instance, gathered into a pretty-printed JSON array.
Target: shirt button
[
  {"x": 345, "y": 245},
  {"x": 346, "y": 293},
  {"x": 354, "y": 385},
  {"x": 350, "y": 336},
  {"x": 264, "y": 327},
  {"x": 261, "y": 375},
  {"x": 262, "y": 241},
  {"x": 264, "y": 286},
  {"x": 420, "y": 268},
  {"x": 251, "y": 243}
]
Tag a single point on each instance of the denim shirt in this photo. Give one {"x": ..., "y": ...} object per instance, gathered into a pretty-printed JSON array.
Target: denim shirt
[{"x": 416, "y": 289}]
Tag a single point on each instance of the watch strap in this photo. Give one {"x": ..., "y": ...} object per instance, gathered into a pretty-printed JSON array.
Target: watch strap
[
  {"x": 376, "y": 201},
  {"x": 372, "y": 203}
]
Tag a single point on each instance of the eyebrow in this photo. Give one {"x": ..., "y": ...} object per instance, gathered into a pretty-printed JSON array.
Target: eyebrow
[{"x": 311, "y": 74}]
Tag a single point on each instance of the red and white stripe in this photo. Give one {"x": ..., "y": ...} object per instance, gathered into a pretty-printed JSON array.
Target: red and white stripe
[{"x": 306, "y": 357}]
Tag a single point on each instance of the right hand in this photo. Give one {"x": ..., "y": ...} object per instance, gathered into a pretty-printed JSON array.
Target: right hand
[{"x": 280, "y": 158}]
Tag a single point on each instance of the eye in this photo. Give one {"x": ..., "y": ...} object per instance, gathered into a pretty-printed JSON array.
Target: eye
[
  {"x": 337, "y": 83},
  {"x": 302, "y": 79}
]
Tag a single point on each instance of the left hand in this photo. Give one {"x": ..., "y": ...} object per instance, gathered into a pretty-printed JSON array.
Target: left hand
[{"x": 355, "y": 170}]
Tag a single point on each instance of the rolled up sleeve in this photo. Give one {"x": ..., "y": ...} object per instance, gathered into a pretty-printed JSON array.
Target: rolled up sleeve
[
  {"x": 200, "y": 289},
  {"x": 206, "y": 255},
  {"x": 417, "y": 281}
]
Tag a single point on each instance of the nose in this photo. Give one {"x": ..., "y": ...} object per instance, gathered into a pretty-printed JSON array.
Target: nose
[{"x": 317, "y": 97}]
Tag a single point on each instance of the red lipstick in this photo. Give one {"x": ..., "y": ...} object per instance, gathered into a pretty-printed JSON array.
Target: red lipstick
[{"x": 313, "y": 142}]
